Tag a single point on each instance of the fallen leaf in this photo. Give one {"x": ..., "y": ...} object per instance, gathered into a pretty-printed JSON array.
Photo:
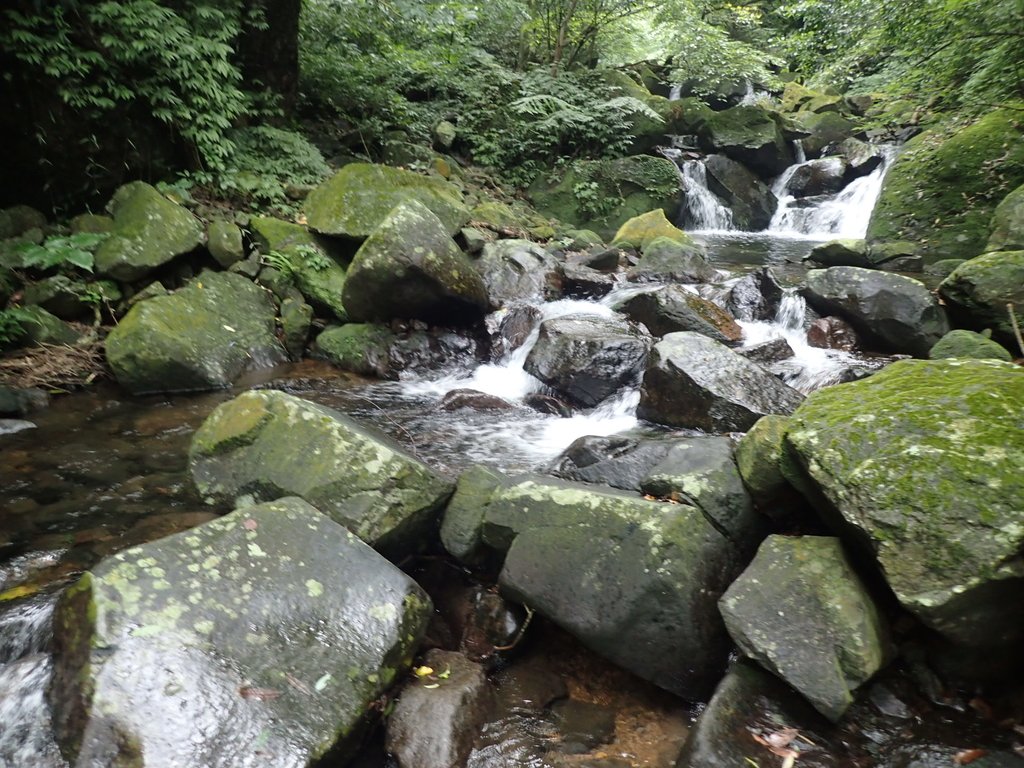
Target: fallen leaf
[
  {"x": 260, "y": 694},
  {"x": 446, "y": 674},
  {"x": 433, "y": 685},
  {"x": 423, "y": 671},
  {"x": 969, "y": 756}
]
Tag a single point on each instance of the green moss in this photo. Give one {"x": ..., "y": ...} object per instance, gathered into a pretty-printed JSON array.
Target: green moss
[
  {"x": 944, "y": 187},
  {"x": 978, "y": 293},
  {"x": 968, "y": 344},
  {"x": 641, "y": 231},
  {"x": 356, "y": 347}
]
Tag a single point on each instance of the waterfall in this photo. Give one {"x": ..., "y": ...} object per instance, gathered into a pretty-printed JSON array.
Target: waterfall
[
  {"x": 703, "y": 209},
  {"x": 798, "y": 151},
  {"x": 845, "y": 214},
  {"x": 675, "y": 92}
]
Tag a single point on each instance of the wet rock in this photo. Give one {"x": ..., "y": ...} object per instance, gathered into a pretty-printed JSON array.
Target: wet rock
[
  {"x": 13, "y": 426},
  {"x": 19, "y": 402},
  {"x": 42, "y": 327},
  {"x": 587, "y": 358},
  {"x": 621, "y": 462},
  {"x": 296, "y": 317},
  {"x": 666, "y": 260},
  {"x": 472, "y": 399},
  {"x": 377, "y": 350},
  {"x": 509, "y": 328},
  {"x": 977, "y": 292},
  {"x": 410, "y": 268},
  {"x": 758, "y": 459},
  {"x": 692, "y": 381},
  {"x": 751, "y": 701},
  {"x": 518, "y": 270},
  {"x": 263, "y": 445},
  {"x": 968, "y": 344},
  {"x": 832, "y": 333},
  {"x": 841, "y": 253},
  {"x": 359, "y": 197},
  {"x": 824, "y": 128},
  {"x": 756, "y": 296},
  {"x": 357, "y": 347},
  {"x": 897, "y": 312},
  {"x": 269, "y": 631},
  {"x": 751, "y": 201},
  {"x": 583, "y": 725},
  {"x": 306, "y": 259},
  {"x": 800, "y": 611},
  {"x": 768, "y": 352},
  {"x": 473, "y": 240},
  {"x": 602, "y": 258},
  {"x": 919, "y": 465},
  {"x": 434, "y": 727},
  {"x": 584, "y": 283},
  {"x": 673, "y": 308},
  {"x": 71, "y": 299},
  {"x": 701, "y": 471},
  {"x": 861, "y": 158},
  {"x": 634, "y": 580},
  {"x": 530, "y": 686},
  {"x": 149, "y": 231},
  {"x": 224, "y": 241},
  {"x": 943, "y": 268},
  {"x": 824, "y": 176},
  {"x": 749, "y": 135},
  {"x": 203, "y": 336},
  {"x": 548, "y": 404},
  {"x": 420, "y": 351}
]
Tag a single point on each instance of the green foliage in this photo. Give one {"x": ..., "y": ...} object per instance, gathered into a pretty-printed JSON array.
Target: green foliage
[
  {"x": 12, "y": 325},
  {"x": 60, "y": 252},
  {"x": 174, "y": 62}
]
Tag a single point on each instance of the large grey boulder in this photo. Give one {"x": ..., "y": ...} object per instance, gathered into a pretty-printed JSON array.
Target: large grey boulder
[
  {"x": 149, "y": 231},
  {"x": 751, "y": 201},
  {"x": 518, "y": 270},
  {"x": 693, "y": 381},
  {"x": 801, "y": 611},
  {"x": 920, "y": 466},
  {"x": 619, "y": 461},
  {"x": 263, "y": 635},
  {"x": 409, "y": 267},
  {"x": 978, "y": 291},
  {"x": 203, "y": 336},
  {"x": 749, "y": 135},
  {"x": 633, "y": 579},
  {"x": 841, "y": 253},
  {"x": 667, "y": 260},
  {"x": 824, "y": 176},
  {"x": 898, "y": 312},
  {"x": 587, "y": 357},
  {"x": 672, "y": 308},
  {"x": 756, "y": 296},
  {"x": 266, "y": 444}
]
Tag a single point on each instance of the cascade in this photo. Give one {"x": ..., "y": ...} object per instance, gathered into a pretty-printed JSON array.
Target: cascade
[
  {"x": 675, "y": 92},
  {"x": 703, "y": 209},
  {"x": 845, "y": 214}
]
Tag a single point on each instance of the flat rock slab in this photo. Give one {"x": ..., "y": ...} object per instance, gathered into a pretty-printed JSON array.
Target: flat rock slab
[
  {"x": 693, "y": 381},
  {"x": 267, "y": 444},
  {"x": 633, "y": 579},
  {"x": 260, "y": 638},
  {"x": 801, "y": 612},
  {"x": 921, "y": 465}
]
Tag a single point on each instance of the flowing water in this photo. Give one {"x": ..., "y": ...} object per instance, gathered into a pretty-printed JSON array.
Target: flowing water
[{"x": 103, "y": 471}]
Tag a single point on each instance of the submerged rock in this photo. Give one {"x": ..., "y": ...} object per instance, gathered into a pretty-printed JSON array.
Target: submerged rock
[
  {"x": 203, "y": 336},
  {"x": 635, "y": 580},
  {"x": 588, "y": 358},
  {"x": 264, "y": 445},
  {"x": 898, "y": 312},
  {"x": 267, "y": 632},
  {"x": 920, "y": 466},
  {"x": 693, "y": 381},
  {"x": 149, "y": 231},
  {"x": 410, "y": 268},
  {"x": 358, "y": 198},
  {"x": 800, "y": 611}
]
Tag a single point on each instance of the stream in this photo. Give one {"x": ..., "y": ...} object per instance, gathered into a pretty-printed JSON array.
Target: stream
[{"x": 103, "y": 471}]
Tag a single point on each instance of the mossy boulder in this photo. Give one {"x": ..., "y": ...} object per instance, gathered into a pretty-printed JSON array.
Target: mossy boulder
[
  {"x": 42, "y": 327},
  {"x": 270, "y": 631},
  {"x": 919, "y": 465},
  {"x": 91, "y": 224},
  {"x": 497, "y": 215},
  {"x": 676, "y": 117},
  {"x": 823, "y": 129},
  {"x": 668, "y": 260},
  {"x": 749, "y": 135},
  {"x": 224, "y": 242},
  {"x": 357, "y": 347},
  {"x": 296, "y": 318},
  {"x": 943, "y": 189},
  {"x": 203, "y": 336},
  {"x": 71, "y": 299},
  {"x": 801, "y": 611},
  {"x": 267, "y": 444},
  {"x": 978, "y": 291},
  {"x": 354, "y": 202},
  {"x": 410, "y": 267},
  {"x": 1008, "y": 223},
  {"x": 602, "y": 195},
  {"x": 19, "y": 219},
  {"x": 633, "y": 579},
  {"x": 641, "y": 231},
  {"x": 898, "y": 313},
  {"x": 518, "y": 270},
  {"x": 758, "y": 457},
  {"x": 841, "y": 253},
  {"x": 961, "y": 343},
  {"x": 317, "y": 274},
  {"x": 149, "y": 231}
]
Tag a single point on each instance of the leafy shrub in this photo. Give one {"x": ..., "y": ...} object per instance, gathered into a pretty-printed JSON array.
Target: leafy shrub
[{"x": 59, "y": 252}]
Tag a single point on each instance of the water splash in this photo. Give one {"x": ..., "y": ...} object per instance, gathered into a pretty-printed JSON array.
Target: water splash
[{"x": 703, "y": 209}]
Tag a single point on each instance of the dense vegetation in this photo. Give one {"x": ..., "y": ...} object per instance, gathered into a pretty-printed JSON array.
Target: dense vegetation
[{"x": 218, "y": 90}]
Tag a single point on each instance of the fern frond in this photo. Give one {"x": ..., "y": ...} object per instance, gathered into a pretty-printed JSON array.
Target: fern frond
[{"x": 630, "y": 104}]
